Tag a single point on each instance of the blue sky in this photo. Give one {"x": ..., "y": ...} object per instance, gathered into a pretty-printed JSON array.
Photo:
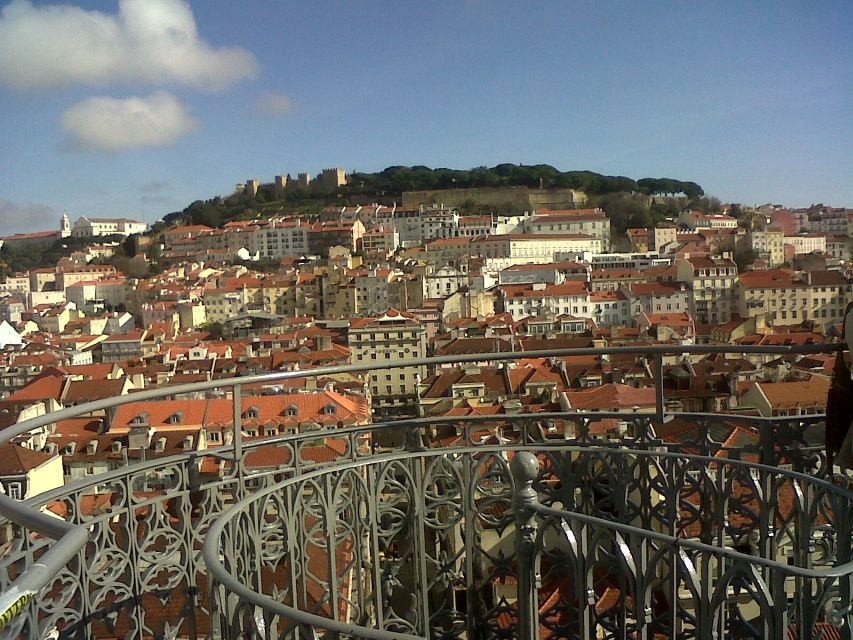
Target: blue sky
[{"x": 138, "y": 108}]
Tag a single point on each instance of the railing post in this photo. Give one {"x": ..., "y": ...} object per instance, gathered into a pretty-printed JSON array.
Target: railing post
[
  {"x": 237, "y": 439},
  {"x": 525, "y": 469},
  {"x": 659, "y": 399}
]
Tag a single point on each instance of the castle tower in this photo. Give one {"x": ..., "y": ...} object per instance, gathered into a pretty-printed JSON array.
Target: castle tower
[
  {"x": 281, "y": 184},
  {"x": 65, "y": 225},
  {"x": 333, "y": 177}
]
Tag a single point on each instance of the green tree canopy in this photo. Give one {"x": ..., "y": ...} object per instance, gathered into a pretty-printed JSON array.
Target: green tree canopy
[{"x": 387, "y": 186}]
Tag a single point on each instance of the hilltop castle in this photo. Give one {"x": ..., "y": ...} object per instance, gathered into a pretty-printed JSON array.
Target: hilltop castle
[{"x": 330, "y": 178}]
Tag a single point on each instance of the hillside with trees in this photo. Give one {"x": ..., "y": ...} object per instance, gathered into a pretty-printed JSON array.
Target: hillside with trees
[
  {"x": 622, "y": 197},
  {"x": 625, "y": 201}
]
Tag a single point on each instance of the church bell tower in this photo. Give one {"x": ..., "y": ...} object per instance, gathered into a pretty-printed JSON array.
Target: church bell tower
[{"x": 65, "y": 226}]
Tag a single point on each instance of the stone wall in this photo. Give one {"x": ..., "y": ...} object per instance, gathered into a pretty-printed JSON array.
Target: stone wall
[{"x": 506, "y": 198}]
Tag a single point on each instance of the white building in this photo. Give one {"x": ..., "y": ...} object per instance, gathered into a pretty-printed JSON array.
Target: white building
[
  {"x": 570, "y": 297},
  {"x": 18, "y": 282},
  {"x": 549, "y": 273},
  {"x": 473, "y": 226},
  {"x": 86, "y": 227},
  {"x": 95, "y": 295},
  {"x": 438, "y": 223},
  {"x": 8, "y": 335},
  {"x": 610, "y": 308},
  {"x": 806, "y": 243},
  {"x": 380, "y": 240},
  {"x": 658, "y": 297},
  {"x": 830, "y": 221},
  {"x": 281, "y": 239},
  {"x": 700, "y": 220},
  {"x": 406, "y": 222},
  {"x": 445, "y": 281},
  {"x": 637, "y": 260},
  {"x": 501, "y": 252},
  {"x": 590, "y": 222}
]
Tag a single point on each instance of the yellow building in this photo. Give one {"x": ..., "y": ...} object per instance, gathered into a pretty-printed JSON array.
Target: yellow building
[
  {"x": 769, "y": 245},
  {"x": 395, "y": 336},
  {"x": 711, "y": 281},
  {"x": 786, "y": 297}
]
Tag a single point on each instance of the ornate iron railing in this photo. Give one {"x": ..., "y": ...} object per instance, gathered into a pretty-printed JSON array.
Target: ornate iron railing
[
  {"x": 619, "y": 539},
  {"x": 411, "y": 530}
]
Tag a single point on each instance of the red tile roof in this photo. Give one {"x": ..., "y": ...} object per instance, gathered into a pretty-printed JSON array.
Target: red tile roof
[
  {"x": 772, "y": 278},
  {"x": 17, "y": 460},
  {"x": 80, "y": 391},
  {"x": 810, "y": 393},
  {"x": 612, "y": 397},
  {"x": 271, "y": 410},
  {"x": 47, "y": 387}
]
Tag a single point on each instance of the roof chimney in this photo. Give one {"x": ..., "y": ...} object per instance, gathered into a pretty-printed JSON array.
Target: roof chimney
[{"x": 139, "y": 437}]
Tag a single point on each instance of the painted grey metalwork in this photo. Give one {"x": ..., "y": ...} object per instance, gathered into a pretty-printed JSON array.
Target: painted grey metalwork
[
  {"x": 525, "y": 471},
  {"x": 411, "y": 532},
  {"x": 635, "y": 539}
]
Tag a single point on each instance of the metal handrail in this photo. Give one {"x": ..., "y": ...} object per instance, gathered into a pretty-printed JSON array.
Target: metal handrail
[
  {"x": 211, "y": 549},
  {"x": 224, "y": 451},
  {"x": 70, "y": 539}
]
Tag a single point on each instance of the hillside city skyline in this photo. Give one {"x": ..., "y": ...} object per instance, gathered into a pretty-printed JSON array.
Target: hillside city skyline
[
  {"x": 459, "y": 321},
  {"x": 269, "y": 180}
]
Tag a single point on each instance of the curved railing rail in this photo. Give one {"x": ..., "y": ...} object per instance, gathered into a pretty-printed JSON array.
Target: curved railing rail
[
  {"x": 39, "y": 565},
  {"x": 278, "y": 512}
]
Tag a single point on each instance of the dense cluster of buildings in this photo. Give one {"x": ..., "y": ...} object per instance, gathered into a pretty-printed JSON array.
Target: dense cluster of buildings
[{"x": 382, "y": 284}]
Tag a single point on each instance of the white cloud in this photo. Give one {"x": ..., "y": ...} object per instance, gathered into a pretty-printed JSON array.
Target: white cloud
[
  {"x": 147, "y": 41},
  {"x": 110, "y": 124},
  {"x": 24, "y": 217},
  {"x": 273, "y": 104}
]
